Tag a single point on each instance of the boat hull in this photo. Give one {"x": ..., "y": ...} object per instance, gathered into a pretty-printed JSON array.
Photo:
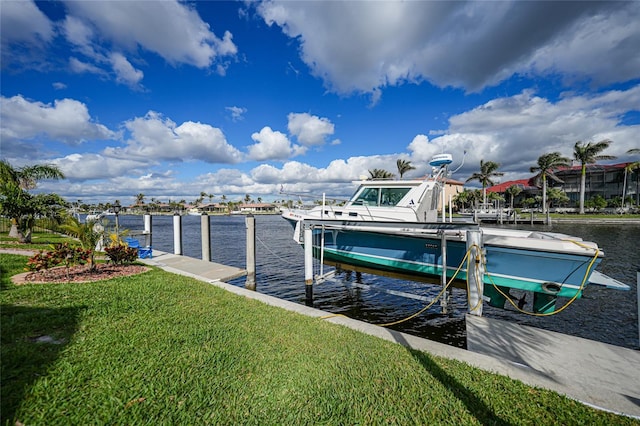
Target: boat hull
[{"x": 419, "y": 256}]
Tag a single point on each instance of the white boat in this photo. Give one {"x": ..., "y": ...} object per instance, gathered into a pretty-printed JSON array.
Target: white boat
[
  {"x": 386, "y": 200},
  {"x": 94, "y": 216},
  {"x": 390, "y": 226},
  {"x": 490, "y": 213}
]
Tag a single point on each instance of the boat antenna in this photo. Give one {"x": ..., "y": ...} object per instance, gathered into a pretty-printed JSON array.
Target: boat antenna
[{"x": 464, "y": 154}]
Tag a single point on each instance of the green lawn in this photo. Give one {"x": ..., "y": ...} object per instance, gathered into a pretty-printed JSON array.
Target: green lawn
[
  {"x": 39, "y": 241},
  {"x": 160, "y": 348}
]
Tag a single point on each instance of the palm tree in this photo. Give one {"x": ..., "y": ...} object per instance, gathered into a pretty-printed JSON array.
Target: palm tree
[
  {"x": 87, "y": 233},
  {"x": 589, "y": 154},
  {"x": 513, "y": 192},
  {"x": 462, "y": 198},
  {"x": 404, "y": 166},
  {"x": 14, "y": 182},
  {"x": 629, "y": 169},
  {"x": 487, "y": 171},
  {"x": 546, "y": 164},
  {"x": 380, "y": 174},
  {"x": 139, "y": 199},
  {"x": 27, "y": 177}
]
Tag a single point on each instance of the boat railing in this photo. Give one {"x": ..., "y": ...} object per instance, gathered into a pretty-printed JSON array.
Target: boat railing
[{"x": 414, "y": 228}]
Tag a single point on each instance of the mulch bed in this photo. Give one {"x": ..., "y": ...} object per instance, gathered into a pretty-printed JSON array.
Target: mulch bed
[{"x": 78, "y": 274}]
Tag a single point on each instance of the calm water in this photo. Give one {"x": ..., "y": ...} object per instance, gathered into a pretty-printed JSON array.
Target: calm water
[{"x": 604, "y": 315}]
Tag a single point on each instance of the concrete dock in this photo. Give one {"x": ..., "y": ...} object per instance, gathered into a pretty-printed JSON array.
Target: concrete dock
[
  {"x": 603, "y": 376},
  {"x": 192, "y": 267}
]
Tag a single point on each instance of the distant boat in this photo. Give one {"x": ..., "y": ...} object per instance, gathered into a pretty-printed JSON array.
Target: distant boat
[
  {"x": 94, "y": 216},
  {"x": 490, "y": 213}
]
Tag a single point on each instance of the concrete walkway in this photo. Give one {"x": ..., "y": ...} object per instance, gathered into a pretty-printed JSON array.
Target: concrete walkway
[
  {"x": 196, "y": 268},
  {"x": 603, "y": 376}
]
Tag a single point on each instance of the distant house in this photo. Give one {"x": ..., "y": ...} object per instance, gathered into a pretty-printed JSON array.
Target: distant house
[
  {"x": 451, "y": 189},
  {"x": 606, "y": 180},
  {"x": 257, "y": 208},
  {"x": 214, "y": 208},
  {"x": 529, "y": 189}
]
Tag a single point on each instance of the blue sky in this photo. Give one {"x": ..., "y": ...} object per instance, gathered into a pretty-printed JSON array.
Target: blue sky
[{"x": 170, "y": 99}]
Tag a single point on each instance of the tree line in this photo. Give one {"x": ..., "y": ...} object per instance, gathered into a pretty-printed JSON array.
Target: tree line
[
  {"x": 22, "y": 207},
  {"x": 546, "y": 165}
]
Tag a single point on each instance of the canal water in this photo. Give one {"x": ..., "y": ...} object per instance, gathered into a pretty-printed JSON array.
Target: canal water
[{"x": 608, "y": 316}]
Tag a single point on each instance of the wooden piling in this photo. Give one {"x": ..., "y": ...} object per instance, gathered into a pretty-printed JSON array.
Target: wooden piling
[
  {"x": 475, "y": 272},
  {"x": 250, "y": 222},
  {"x": 177, "y": 234},
  {"x": 205, "y": 236}
]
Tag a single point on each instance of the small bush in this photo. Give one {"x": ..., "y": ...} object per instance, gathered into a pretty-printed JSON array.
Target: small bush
[
  {"x": 42, "y": 261},
  {"x": 62, "y": 254},
  {"x": 120, "y": 254}
]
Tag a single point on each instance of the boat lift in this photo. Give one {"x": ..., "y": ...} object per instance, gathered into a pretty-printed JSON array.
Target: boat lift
[
  {"x": 475, "y": 272},
  {"x": 474, "y": 245}
]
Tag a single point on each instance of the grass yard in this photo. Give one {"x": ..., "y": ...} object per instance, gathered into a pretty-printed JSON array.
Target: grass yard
[
  {"x": 159, "y": 348},
  {"x": 40, "y": 241}
]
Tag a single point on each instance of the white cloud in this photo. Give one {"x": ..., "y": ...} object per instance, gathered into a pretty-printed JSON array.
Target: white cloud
[
  {"x": 125, "y": 72},
  {"x": 158, "y": 138},
  {"x": 78, "y": 33},
  {"x": 272, "y": 145},
  {"x": 79, "y": 67},
  {"x": 602, "y": 47},
  {"x": 309, "y": 129},
  {"x": 90, "y": 166},
  {"x": 22, "y": 21},
  {"x": 461, "y": 44},
  {"x": 237, "y": 113},
  {"x": 171, "y": 29},
  {"x": 514, "y": 131},
  {"x": 67, "y": 121},
  {"x": 58, "y": 85}
]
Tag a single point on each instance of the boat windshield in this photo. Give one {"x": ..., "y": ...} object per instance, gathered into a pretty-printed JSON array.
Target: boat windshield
[{"x": 380, "y": 196}]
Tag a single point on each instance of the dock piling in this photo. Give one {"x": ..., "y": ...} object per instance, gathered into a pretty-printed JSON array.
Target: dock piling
[
  {"x": 147, "y": 230},
  {"x": 475, "y": 272},
  {"x": 205, "y": 236},
  {"x": 444, "y": 300},
  {"x": 250, "y": 222},
  {"x": 308, "y": 263},
  {"x": 177, "y": 234}
]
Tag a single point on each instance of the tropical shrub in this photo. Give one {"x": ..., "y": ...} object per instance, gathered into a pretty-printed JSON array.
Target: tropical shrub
[
  {"x": 120, "y": 254},
  {"x": 61, "y": 254},
  {"x": 89, "y": 233}
]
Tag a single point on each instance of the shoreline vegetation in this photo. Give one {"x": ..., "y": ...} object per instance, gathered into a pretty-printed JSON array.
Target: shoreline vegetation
[{"x": 163, "y": 348}]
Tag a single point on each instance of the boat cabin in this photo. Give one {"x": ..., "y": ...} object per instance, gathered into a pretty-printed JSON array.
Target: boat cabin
[{"x": 379, "y": 195}]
